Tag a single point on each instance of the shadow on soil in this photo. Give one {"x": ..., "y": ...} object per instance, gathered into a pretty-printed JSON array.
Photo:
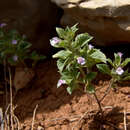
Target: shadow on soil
[{"x": 112, "y": 120}]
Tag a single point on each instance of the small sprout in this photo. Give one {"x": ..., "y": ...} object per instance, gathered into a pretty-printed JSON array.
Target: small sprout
[
  {"x": 90, "y": 46},
  {"x": 119, "y": 71},
  {"x": 120, "y": 54},
  {"x": 14, "y": 42},
  {"x": 15, "y": 58},
  {"x": 54, "y": 41},
  {"x": 61, "y": 82},
  {"x": 3, "y": 25},
  {"x": 81, "y": 60}
]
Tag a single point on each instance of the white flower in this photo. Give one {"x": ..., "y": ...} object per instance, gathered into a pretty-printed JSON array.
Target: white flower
[
  {"x": 54, "y": 41},
  {"x": 120, "y": 54},
  {"x": 119, "y": 71},
  {"x": 61, "y": 82},
  {"x": 15, "y": 58},
  {"x": 14, "y": 42},
  {"x": 90, "y": 46},
  {"x": 81, "y": 60}
]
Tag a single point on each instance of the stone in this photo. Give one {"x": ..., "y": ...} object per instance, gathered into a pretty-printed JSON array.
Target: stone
[
  {"x": 22, "y": 77},
  {"x": 107, "y": 20},
  {"x": 34, "y": 18}
]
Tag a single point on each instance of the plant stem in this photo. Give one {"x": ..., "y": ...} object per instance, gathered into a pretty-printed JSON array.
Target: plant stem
[
  {"x": 34, "y": 114},
  {"x": 99, "y": 104},
  {"x": 5, "y": 76},
  {"x": 82, "y": 72},
  {"x": 11, "y": 99},
  {"x": 107, "y": 91}
]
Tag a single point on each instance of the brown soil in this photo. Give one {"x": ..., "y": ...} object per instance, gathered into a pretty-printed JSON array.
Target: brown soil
[{"x": 57, "y": 110}]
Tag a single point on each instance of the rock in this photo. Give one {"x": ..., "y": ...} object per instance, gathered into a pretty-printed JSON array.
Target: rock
[
  {"x": 107, "y": 20},
  {"x": 33, "y": 18},
  {"x": 22, "y": 77}
]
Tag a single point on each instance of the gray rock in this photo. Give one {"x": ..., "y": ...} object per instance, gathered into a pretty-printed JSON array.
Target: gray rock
[{"x": 107, "y": 20}]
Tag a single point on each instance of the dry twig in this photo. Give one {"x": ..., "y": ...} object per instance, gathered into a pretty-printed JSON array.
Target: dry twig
[
  {"x": 34, "y": 114},
  {"x": 11, "y": 99},
  {"x": 125, "y": 127}
]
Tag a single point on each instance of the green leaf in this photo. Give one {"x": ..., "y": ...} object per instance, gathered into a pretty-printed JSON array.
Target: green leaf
[
  {"x": 90, "y": 88},
  {"x": 126, "y": 78},
  {"x": 62, "y": 54},
  {"x": 117, "y": 61},
  {"x": 24, "y": 45},
  {"x": 82, "y": 39},
  {"x": 110, "y": 62},
  {"x": 61, "y": 33},
  {"x": 69, "y": 90},
  {"x": 71, "y": 87},
  {"x": 90, "y": 76},
  {"x": 98, "y": 56},
  {"x": 62, "y": 44},
  {"x": 74, "y": 28},
  {"x": 60, "y": 64},
  {"x": 125, "y": 62},
  {"x": 104, "y": 68},
  {"x": 67, "y": 76}
]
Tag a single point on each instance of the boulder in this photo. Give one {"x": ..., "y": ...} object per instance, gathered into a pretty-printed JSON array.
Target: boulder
[
  {"x": 34, "y": 18},
  {"x": 107, "y": 20}
]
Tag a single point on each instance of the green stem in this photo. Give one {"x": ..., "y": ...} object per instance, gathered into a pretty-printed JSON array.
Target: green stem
[{"x": 82, "y": 72}]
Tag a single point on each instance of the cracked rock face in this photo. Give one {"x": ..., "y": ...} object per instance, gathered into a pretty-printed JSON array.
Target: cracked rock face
[
  {"x": 31, "y": 17},
  {"x": 107, "y": 20}
]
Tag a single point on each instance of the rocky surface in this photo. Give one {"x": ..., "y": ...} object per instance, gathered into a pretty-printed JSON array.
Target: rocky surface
[
  {"x": 34, "y": 18},
  {"x": 107, "y": 20}
]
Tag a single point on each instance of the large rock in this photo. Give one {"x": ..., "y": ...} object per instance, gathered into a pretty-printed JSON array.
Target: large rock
[
  {"x": 107, "y": 20},
  {"x": 34, "y": 18}
]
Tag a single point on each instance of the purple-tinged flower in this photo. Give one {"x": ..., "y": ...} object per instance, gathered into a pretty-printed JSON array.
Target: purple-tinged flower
[
  {"x": 14, "y": 42},
  {"x": 61, "y": 82},
  {"x": 81, "y": 60},
  {"x": 3, "y": 25},
  {"x": 54, "y": 41},
  {"x": 120, "y": 54},
  {"x": 119, "y": 71},
  {"x": 90, "y": 46},
  {"x": 15, "y": 58}
]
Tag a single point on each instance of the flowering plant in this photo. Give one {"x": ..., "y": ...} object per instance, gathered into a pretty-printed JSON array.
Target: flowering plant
[
  {"x": 116, "y": 72},
  {"x": 76, "y": 59},
  {"x": 14, "y": 49}
]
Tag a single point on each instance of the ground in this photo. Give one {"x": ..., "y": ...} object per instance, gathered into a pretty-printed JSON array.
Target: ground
[{"x": 57, "y": 110}]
